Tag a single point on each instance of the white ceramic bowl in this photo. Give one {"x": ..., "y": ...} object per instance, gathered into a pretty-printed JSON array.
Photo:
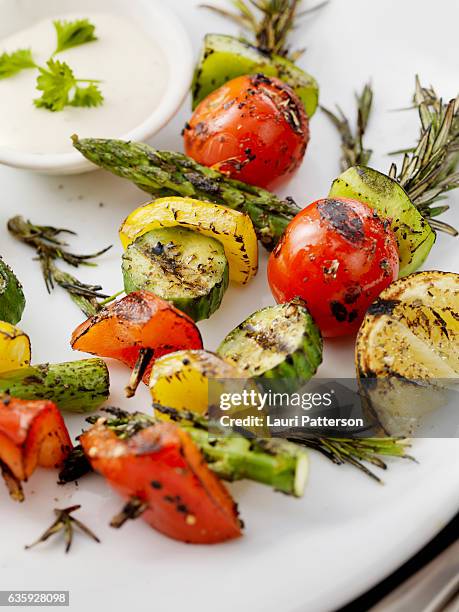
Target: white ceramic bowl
[{"x": 155, "y": 19}]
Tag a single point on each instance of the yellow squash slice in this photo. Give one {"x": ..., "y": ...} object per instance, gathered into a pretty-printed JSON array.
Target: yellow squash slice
[
  {"x": 232, "y": 228},
  {"x": 15, "y": 349}
]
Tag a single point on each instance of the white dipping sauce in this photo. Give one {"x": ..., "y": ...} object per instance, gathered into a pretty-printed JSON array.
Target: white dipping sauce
[{"x": 132, "y": 68}]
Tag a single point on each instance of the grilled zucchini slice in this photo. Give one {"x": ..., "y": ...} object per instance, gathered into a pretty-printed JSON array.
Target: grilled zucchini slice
[
  {"x": 224, "y": 58},
  {"x": 12, "y": 300},
  {"x": 181, "y": 266},
  {"x": 233, "y": 229},
  {"x": 407, "y": 349},
  {"x": 277, "y": 342},
  {"x": 414, "y": 235}
]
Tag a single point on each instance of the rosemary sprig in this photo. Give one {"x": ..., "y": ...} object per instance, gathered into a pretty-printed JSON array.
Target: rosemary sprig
[
  {"x": 65, "y": 523},
  {"x": 45, "y": 240},
  {"x": 353, "y": 152},
  {"x": 429, "y": 170},
  {"x": 270, "y": 22},
  {"x": 355, "y": 451}
]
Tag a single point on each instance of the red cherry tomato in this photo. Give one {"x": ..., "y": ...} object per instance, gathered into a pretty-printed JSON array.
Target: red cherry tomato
[
  {"x": 253, "y": 128},
  {"x": 338, "y": 256}
]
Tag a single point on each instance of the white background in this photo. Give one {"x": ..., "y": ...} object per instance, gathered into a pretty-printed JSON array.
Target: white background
[{"x": 347, "y": 533}]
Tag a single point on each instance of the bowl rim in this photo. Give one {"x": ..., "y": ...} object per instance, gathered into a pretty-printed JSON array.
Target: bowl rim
[{"x": 176, "y": 91}]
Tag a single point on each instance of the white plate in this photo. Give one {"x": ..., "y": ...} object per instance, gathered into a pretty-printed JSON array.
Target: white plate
[{"x": 347, "y": 533}]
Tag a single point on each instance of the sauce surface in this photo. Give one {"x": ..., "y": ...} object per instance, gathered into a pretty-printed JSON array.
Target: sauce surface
[{"x": 132, "y": 68}]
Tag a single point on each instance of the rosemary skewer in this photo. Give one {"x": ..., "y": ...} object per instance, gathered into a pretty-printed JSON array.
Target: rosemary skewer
[
  {"x": 65, "y": 523},
  {"x": 356, "y": 451},
  {"x": 272, "y": 27},
  {"x": 46, "y": 242},
  {"x": 429, "y": 170},
  {"x": 353, "y": 152}
]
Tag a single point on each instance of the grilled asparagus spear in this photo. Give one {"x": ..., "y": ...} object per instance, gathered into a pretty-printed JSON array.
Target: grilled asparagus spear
[
  {"x": 166, "y": 173},
  {"x": 76, "y": 386},
  {"x": 276, "y": 463}
]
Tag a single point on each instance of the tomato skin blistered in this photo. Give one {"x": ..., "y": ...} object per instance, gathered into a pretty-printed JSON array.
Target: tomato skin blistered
[
  {"x": 337, "y": 255},
  {"x": 253, "y": 128}
]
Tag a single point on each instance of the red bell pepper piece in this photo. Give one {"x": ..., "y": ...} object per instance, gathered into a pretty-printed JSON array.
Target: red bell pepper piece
[
  {"x": 161, "y": 467},
  {"x": 137, "y": 330},
  {"x": 32, "y": 433}
]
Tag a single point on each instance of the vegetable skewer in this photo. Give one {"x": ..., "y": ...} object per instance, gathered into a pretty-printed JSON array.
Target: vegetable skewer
[
  {"x": 275, "y": 463},
  {"x": 408, "y": 196},
  {"x": 165, "y": 173}
]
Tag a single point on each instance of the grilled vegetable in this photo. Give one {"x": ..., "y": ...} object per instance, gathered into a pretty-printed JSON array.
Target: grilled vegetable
[
  {"x": 276, "y": 463},
  {"x": 165, "y": 173},
  {"x": 224, "y": 58},
  {"x": 253, "y": 128},
  {"x": 181, "y": 266},
  {"x": 406, "y": 348},
  {"x": 273, "y": 462},
  {"x": 408, "y": 196},
  {"x": 31, "y": 434},
  {"x": 76, "y": 386},
  {"x": 12, "y": 300},
  {"x": 276, "y": 342},
  {"x": 15, "y": 351},
  {"x": 181, "y": 380},
  {"x": 414, "y": 235},
  {"x": 232, "y": 229},
  {"x": 136, "y": 330},
  {"x": 161, "y": 467},
  {"x": 337, "y": 255}
]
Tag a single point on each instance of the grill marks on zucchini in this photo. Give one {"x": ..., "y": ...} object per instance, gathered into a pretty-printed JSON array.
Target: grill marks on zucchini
[
  {"x": 276, "y": 342},
  {"x": 233, "y": 229},
  {"x": 179, "y": 265}
]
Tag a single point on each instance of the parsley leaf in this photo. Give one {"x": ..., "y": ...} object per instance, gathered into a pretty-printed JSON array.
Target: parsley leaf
[
  {"x": 12, "y": 63},
  {"x": 56, "y": 82},
  {"x": 73, "y": 33},
  {"x": 87, "y": 96}
]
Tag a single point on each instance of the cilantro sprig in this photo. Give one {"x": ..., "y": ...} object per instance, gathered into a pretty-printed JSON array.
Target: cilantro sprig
[
  {"x": 60, "y": 88},
  {"x": 73, "y": 33},
  {"x": 56, "y": 80},
  {"x": 12, "y": 63}
]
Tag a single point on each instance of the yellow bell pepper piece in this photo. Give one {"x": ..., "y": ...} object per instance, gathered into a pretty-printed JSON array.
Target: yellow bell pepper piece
[
  {"x": 15, "y": 351},
  {"x": 181, "y": 380},
  {"x": 232, "y": 228}
]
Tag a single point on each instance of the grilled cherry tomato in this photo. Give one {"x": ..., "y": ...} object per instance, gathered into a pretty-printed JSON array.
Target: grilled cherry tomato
[
  {"x": 161, "y": 466},
  {"x": 253, "y": 128},
  {"x": 337, "y": 255}
]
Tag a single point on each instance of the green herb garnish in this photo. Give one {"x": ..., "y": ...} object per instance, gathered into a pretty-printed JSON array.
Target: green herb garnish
[
  {"x": 73, "y": 33},
  {"x": 12, "y": 63},
  {"x": 56, "y": 80},
  {"x": 60, "y": 88}
]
